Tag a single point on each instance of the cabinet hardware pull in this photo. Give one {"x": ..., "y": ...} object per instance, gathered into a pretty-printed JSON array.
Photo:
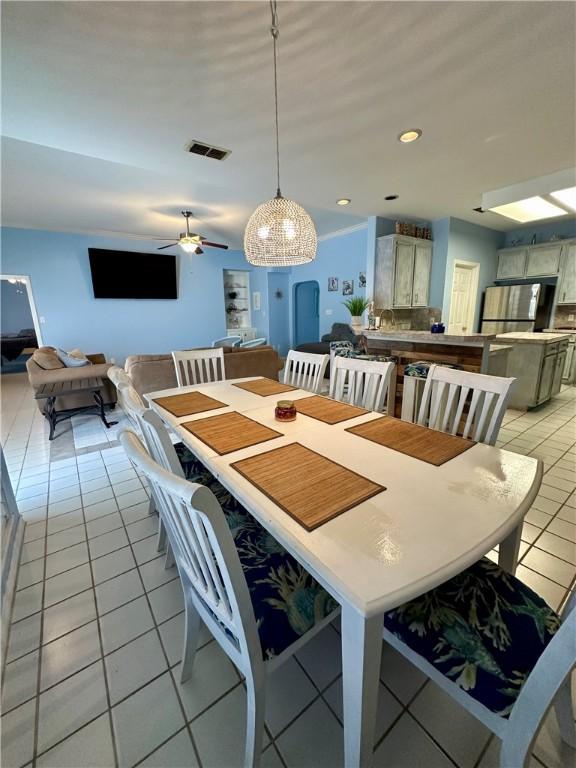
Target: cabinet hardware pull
[{"x": 563, "y": 295}]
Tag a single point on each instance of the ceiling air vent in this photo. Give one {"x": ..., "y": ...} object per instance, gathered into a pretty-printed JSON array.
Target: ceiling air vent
[{"x": 216, "y": 153}]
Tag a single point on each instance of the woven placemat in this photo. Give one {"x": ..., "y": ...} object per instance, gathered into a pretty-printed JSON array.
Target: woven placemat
[
  {"x": 309, "y": 487},
  {"x": 230, "y": 432},
  {"x": 188, "y": 403},
  {"x": 326, "y": 410},
  {"x": 265, "y": 387},
  {"x": 419, "y": 442}
]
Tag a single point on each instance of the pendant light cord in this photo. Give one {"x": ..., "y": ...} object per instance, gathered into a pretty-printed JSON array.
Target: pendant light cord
[{"x": 274, "y": 32}]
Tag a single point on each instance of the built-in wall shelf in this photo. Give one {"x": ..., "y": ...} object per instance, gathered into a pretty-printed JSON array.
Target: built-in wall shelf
[{"x": 236, "y": 286}]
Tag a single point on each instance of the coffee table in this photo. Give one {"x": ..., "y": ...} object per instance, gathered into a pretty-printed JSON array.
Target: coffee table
[{"x": 50, "y": 392}]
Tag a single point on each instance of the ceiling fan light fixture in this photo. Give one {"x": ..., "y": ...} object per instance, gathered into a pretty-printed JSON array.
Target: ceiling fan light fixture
[{"x": 279, "y": 233}]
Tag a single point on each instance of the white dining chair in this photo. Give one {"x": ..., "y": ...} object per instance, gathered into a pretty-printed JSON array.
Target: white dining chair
[
  {"x": 227, "y": 341},
  {"x": 497, "y": 649},
  {"x": 446, "y": 393},
  {"x": 305, "y": 370},
  {"x": 199, "y": 366},
  {"x": 366, "y": 383},
  {"x": 223, "y": 590},
  {"x": 119, "y": 376},
  {"x": 253, "y": 343}
]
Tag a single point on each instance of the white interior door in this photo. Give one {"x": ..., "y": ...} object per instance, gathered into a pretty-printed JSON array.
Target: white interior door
[{"x": 464, "y": 297}]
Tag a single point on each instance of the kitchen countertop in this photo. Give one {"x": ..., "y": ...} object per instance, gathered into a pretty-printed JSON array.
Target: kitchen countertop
[
  {"x": 425, "y": 337},
  {"x": 563, "y": 331},
  {"x": 525, "y": 337}
]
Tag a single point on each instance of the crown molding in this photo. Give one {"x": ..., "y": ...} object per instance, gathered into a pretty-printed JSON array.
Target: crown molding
[{"x": 345, "y": 231}]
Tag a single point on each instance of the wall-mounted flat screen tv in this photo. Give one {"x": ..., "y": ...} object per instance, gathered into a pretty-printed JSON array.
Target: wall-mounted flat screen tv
[{"x": 131, "y": 275}]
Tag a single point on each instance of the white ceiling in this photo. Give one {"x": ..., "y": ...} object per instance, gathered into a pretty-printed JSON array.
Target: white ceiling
[{"x": 100, "y": 99}]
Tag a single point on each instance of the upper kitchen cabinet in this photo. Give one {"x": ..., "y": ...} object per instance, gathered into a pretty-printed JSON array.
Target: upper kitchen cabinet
[
  {"x": 543, "y": 260},
  {"x": 529, "y": 262},
  {"x": 402, "y": 273},
  {"x": 566, "y": 290},
  {"x": 511, "y": 263}
]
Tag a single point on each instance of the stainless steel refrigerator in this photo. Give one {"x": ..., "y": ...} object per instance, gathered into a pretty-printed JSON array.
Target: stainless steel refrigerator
[{"x": 524, "y": 307}]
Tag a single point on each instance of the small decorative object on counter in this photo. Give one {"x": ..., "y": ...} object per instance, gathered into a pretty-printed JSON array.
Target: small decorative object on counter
[
  {"x": 437, "y": 328},
  {"x": 285, "y": 410}
]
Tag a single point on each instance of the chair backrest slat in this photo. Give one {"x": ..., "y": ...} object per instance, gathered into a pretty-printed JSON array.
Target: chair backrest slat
[
  {"x": 305, "y": 370},
  {"x": 199, "y": 366},
  {"x": 448, "y": 392},
  {"x": 365, "y": 383}
]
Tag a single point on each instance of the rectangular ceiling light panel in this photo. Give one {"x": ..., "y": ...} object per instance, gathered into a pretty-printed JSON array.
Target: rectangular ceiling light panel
[
  {"x": 566, "y": 196},
  {"x": 530, "y": 209}
]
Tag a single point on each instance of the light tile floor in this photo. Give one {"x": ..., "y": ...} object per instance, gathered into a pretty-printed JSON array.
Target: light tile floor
[{"x": 92, "y": 677}]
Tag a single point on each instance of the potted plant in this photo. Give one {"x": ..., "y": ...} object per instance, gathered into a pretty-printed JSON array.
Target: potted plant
[{"x": 356, "y": 306}]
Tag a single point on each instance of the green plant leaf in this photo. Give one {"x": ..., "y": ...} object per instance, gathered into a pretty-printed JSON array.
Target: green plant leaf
[{"x": 356, "y": 305}]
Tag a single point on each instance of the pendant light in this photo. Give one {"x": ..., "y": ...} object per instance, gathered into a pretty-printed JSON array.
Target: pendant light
[{"x": 279, "y": 233}]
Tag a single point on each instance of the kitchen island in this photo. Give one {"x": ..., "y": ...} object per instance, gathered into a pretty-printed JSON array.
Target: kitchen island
[
  {"x": 476, "y": 352},
  {"x": 538, "y": 361}
]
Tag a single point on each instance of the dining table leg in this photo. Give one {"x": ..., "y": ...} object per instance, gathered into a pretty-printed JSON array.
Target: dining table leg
[
  {"x": 509, "y": 550},
  {"x": 361, "y": 655}
]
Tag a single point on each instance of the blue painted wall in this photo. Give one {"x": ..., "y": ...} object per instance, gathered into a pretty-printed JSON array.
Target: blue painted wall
[
  {"x": 544, "y": 232},
  {"x": 440, "y": 239},
  {"x": 278, "y": 310},
  {"x": 16, "y": 314},
  {"x": 343, "y": 256},
  {"x": 57, "y": 264}
]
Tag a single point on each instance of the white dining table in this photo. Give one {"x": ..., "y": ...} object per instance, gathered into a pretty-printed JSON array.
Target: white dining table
[{"x": 429, "y": 524}]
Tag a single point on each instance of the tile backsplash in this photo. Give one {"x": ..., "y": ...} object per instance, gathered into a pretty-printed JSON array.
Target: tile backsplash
[
  {"x": 415, "y": 319},
  {"x": 562, "y": 316}
]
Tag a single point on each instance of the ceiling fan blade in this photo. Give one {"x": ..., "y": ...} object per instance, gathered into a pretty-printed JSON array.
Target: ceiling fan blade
[
  {"x": 214, "y": 245},
  {"x": 166, "y": 246}
]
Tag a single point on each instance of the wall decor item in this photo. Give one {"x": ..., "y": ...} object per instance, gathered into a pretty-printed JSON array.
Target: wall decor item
[
  {"x": 362, "y": 280},
  {"x": 332, "y": 283},
  {"x": 411, "y": 230},
  {"x": 347, "y": 287}
]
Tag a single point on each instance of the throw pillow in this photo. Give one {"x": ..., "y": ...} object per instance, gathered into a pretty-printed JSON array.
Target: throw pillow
[
  {"x": 73, "y": 359},
  {"x": 46, "y": 358}
]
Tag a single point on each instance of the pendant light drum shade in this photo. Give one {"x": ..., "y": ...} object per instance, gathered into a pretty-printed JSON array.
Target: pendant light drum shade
[{"x": 279, "y": 234}]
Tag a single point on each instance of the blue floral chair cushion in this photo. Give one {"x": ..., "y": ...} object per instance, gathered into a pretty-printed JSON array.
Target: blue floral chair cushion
[
  {"x": 484, "y": 629},
  {"x": 287, "y": 601},
  {"x": 191, "y": 466}
]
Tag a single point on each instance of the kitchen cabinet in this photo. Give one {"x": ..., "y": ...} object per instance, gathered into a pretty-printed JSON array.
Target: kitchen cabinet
[
  {"x": 546, "y": 378},
  {"x": 511, "y": 263},
  {"x": 543, "y": 260},
  {"x": 534, "y": 261},
  {"x": 421, "y": 282},
  {"x": 402, "y": 272},
  {"x": 566, "y": 290},
  {"x": 558, "y": 372},
  {"x": 537, "y": 362}
]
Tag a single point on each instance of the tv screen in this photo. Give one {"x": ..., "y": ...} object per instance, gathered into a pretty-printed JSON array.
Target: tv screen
[{"x": 132, "y": 275}]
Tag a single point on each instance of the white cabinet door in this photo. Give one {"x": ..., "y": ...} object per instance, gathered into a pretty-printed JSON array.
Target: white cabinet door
[
  {"x": 511, "y": 263},
  {"x": 568, "y": 362},
  {"x": 421, "y": 283},
  {"x": 543, "y": 261},
  {"x": 566, "y": 290},
  {"x": 403, "y": 274},
  {"x": 546, "y": 378},
  {"x": 559, "y": 370}
]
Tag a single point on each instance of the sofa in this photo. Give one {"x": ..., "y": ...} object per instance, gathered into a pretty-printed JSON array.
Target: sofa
[
  {"x": 150, "y": 373},
  {"x": 38, "y": 376}
]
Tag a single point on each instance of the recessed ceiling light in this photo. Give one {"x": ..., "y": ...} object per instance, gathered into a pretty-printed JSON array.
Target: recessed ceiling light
[
  {"x": 343, "y": 201},
  {"x": 566, "y": 196},
  {"x": 391, "y": 197},
  {"x": 408, "y": 136},
  {"x": 530, "y": 209}
]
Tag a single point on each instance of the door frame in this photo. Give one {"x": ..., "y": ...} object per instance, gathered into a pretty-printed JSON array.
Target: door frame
[
  {"x": 474, "y": 266},
  {"x": 295, "y": 308},
  {"x": 29, "y": 293}
]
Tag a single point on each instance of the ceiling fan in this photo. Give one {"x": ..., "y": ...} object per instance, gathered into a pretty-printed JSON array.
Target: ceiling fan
[{"x": 191, "y": 241}]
